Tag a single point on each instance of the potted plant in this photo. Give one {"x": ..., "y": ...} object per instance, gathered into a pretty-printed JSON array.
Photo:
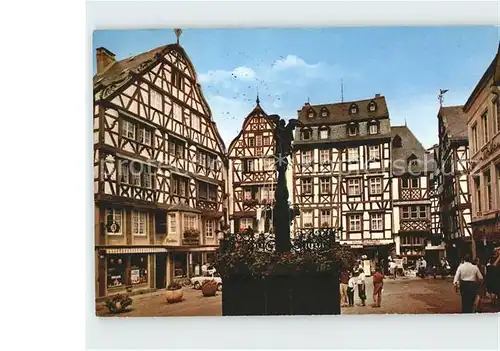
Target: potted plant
[
  {"x": 118, "y": 303},
  {"x": 191, "y": 233},
  {"x": 209, "y": 287},
  {"x": 174, "y": 293}
]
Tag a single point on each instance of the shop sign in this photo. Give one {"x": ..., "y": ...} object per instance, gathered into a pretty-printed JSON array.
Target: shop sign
[{"x": 191, "y": 241}]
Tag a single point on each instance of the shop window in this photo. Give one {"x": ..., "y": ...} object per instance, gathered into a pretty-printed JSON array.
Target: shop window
[
  {"x": 139, "y": 269},
  {"x": 116, "y": 271}
]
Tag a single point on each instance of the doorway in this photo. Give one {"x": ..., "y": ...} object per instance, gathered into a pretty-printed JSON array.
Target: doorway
[{"x": 161, "y": 270}]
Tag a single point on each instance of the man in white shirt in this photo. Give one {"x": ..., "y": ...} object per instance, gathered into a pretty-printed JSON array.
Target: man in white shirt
[
  {"x": 361, "y": 286},
  {"x": 468, "y": 277}
]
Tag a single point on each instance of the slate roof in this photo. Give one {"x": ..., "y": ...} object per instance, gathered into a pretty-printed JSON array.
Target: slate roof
[
  {"x": 410, "y": 145},
  {"x": 341, "y": 112},
  {"x": 455, "y": 121}
]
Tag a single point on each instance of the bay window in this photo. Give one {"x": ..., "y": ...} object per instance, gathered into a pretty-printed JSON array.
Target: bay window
[{"x": 189, "y": 222}]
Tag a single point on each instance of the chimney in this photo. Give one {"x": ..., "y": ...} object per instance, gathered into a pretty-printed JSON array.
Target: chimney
[
  {"x": 377, "y": 95},
  {"x": 104, "y": 59}
]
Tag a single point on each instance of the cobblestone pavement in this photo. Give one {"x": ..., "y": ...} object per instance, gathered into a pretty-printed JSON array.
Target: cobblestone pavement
[{"x": 402, "y": 296}]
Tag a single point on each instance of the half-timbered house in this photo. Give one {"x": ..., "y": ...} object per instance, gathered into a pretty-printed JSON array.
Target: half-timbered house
[
  {"x": 342, "y": 173},
  {"x": 158, "y": 170},
  {"x": 437, "y": 242},
  {"x": 252, "y": 173},
  {"x": 483, "y": 115},
  {"x": 412, "y": 167},
  {"x": 453, "y": 189}
]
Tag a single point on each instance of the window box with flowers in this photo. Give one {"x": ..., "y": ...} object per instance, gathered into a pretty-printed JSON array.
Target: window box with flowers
[{"x": 191, "y": 237}]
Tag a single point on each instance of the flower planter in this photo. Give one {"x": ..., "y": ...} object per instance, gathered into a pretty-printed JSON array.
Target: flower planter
[
  {"x": 118, "y": 304},
  {"x": 209, "y": 288},
  {"x": 174, "y": 296}
]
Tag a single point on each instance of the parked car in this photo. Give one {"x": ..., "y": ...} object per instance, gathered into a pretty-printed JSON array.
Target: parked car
[{"x": 198, "y": 281}]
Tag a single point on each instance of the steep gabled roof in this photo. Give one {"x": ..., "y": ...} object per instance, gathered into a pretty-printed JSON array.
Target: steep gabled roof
[
  {"x": 123, "y": 72},
  {"x": 410, "y": 148},
  {"x": 455, "y": 121},
  {"x": 257, "y": 109},
  {"x": 341, "y": 112}
]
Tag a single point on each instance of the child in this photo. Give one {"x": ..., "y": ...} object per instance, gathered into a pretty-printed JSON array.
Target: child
[{"x": 350, "y": 290}]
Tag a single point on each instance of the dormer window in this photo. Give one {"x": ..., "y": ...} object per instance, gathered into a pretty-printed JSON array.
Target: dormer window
[
  {"x": 324, "y": 112},
  {"x": 306, "y": 134},
  {"x": 396, "y": 142},
  {"x": 324, "y": 132},
  {"x": 352, "y": 129},
  {"x": 310, "y": 113},
  {"x": 372, "y": 106},
  {"x": 373, "y": 127},
  {"x": 353, "y": 109}
]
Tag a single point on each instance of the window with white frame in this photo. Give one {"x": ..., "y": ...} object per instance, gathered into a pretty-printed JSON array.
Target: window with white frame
[
  {"x": 352, "y": 129},
  {"x": 195, "y": 122},
  {"x": 307, "y": 218},
  {"x": 353, "y": 187},
  {"x": 484, "y": 122},
  {"x": 269, "y": 163},
  {"x": 306, "y": 158},
  {"x": 375, "y": 186},
  {"x": 353, "y": 154},
  {"x": 139, "y": 220},
  {"x": 374, "y": 152},
  {"x": 323, "y": 133},
  {"x": 251, "y": 141},
  {"x": 189, "y": 222},
  {"x": 128, "y": 129},
  {"x": 266, "y": 141},
  {"x": 124, "y": 172},
  {"x": 114, "y": 222},
  {"x": 147, "y": 178},
  {"x": 246, "y": 223},
  {"x": 324, "y": 156},
  {"x": 178, "y": 113},
  {"x": 324, "y": 186},
  {"x": 135, "y": 176},
  {"x": 414, "y": 212},
  {"x": 410, "y": 183},
  {"x": 373, "y": 129},
  {"x": 326, "y": 218},
  {"x": 156, "y": 100},
  {"x": 258, "y": 140},
  {"x": 376, "y": 221},
  {"x": 172, "y": 223},
  {"x": 306, "y": 186},
  {"x": 355, "y": 223},
  {"x": 145, "y": 136},
  {"x": 210, "y": 226}
]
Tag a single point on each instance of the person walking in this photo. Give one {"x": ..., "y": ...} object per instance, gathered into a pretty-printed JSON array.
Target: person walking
[
  {"x": 393, "y": 269},
  {"x": 467, "y": 279},
  {"x": 350, "y": 289},
  {"x": 378, "y": 285},
  {"x": 361, "y": 286},
  {"x": 344, "y": 280},
  {"x": 423, "y": 267},
  {"x": 481, "y": 290}
]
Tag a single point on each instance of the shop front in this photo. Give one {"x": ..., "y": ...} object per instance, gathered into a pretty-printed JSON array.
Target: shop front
[
  {"x": 486, "y": 235},
  {"x": 371, "y": 254},
  {"x": 129, "y": 270},
  {"x": 186, "y": 262}
]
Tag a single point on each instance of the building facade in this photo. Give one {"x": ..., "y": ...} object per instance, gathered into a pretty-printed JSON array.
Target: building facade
[
  {"x": 252, "y": 174},
  {"x": 453, "y": 189},
  {"x": 159, "y": 165},
  {"x": 342, "y": 173},
  {"x": 483, "y": 121},
  {"x": 412, "y": 168}
]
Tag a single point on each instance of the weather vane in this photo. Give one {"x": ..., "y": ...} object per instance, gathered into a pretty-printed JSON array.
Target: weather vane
[
  {"x": 441, "y": 96},
  {"x": 178, "y": 33}
]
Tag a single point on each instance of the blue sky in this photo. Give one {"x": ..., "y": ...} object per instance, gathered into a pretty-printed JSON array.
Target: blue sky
[{"x": 287, "y": 66}]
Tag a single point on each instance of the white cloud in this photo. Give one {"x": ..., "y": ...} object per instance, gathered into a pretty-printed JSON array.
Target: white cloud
[
  {"x": 292, "y": 61},
  {"x": 224, "y": 78}
]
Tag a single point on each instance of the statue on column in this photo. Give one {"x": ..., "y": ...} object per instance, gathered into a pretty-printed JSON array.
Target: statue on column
[{"x": 283, "y": 136}]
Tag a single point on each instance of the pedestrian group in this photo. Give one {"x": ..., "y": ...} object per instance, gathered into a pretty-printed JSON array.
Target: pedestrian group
[{"x": 350, "y": 281}]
